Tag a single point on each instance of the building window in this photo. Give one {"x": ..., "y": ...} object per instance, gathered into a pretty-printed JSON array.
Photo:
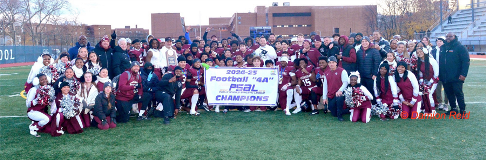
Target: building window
[
  {"x": 336, "y": 30},
  {"x": 304, "y": 14},
  {"x": 285, "y": 25},
  {"x": 304, "y": 25}
]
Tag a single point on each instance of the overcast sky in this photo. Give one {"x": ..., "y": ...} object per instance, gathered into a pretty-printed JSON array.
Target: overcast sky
[
  {"x": 122, "y": 13},
  {"x": 137, "y": 12}
]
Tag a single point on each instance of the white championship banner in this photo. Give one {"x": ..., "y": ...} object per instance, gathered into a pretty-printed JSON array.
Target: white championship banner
[{"x": 241, "y": 86}]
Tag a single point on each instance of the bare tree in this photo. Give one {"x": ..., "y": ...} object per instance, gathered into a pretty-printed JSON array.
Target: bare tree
[{"x": 38, "y": 13}]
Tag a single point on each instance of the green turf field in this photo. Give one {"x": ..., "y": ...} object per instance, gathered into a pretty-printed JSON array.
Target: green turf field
[{"x": 256, "y": 135}]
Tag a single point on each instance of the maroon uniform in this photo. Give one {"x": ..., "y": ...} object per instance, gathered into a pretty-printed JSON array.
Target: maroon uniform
[
  {"x": 285, "y": 78},
  {"x": 196, "y": 77},
  {"x": 289, "y": 51},
  {"x": 243, "y": 54},
  {"x": 72, "y": 125},
  {"x": 296, "y": 47},
  {"x": 320, "y": 76},
  {"x": 254, "y": 46},
  {"x": 409, "y": 91},
  {"x": 334, "y": 81},
  {"x": 136, "y": 55},
  {"x": 306, "y": 84}
]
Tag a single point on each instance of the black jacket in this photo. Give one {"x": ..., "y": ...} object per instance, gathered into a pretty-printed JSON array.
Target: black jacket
[
  {"x": 385, "y": 47},
  {"x": 174, "y": 88},
  {"x": 453, "y": 61},
  {"x": 149, "y": 86},
  {"x": 368, "y": 62},
  {"x": 121, "y": 61},
  {"x": 326, "y": 52},
  {"x": 105, "y": 59},
  {"x": 101, "y": 110}
]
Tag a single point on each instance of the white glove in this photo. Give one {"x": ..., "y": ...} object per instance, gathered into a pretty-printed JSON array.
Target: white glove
[
  {"x": 284, "y": 87},
  {"x": 378, "y": 101},
  {"x": 34, "y": 102}
]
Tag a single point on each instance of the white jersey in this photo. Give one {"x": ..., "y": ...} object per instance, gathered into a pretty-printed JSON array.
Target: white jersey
[
  {"x": 156, "y": 59},
  {"x": 270, "y": 55}
]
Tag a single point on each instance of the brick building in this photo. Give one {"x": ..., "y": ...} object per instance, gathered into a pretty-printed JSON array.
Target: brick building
[
  {"x": 286, "y": 21},
  {"x": 132, "y": 33}
]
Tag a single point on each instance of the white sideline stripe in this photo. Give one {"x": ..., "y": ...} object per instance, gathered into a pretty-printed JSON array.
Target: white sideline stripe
[
  {"x": 475, "y": 102},
  {"x": 12, "y": 116},
  {"x": 482, "y": 59}
]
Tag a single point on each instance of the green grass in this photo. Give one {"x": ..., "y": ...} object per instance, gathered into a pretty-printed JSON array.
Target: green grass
[{"x": 257, "y": 135}]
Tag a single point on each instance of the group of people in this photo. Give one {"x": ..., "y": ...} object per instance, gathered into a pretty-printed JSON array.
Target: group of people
[{"x": 103, "y": 85}]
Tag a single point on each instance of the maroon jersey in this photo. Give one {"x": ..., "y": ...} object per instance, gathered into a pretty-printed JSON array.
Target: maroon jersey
[
  {"x": 296, "y": 47},
  {"x": 289, "y": 51},
  {"x": 305, "y": 78},
  {"x": 243, "y": 54},
  {"x": 136, "y": 55},
  {"x": 289, "y": 63},
  {"x": 196, "y": 74},
  {"x": 321, "y": 73},
  {"x": 186, "y": 46},
  {"x": 385, "y": 95},
  {"x": 334, "y": 81},
  {"x": 285, "y": 75},
  {"x": 254, "y": 47},
  {"x": 407, "y": 88}
]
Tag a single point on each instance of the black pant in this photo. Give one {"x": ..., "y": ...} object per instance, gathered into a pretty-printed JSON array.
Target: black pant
[
  {"x": 368, "y": 83},
  {"x": 167, "y": 102},
  {"x": 453, "y": 91},
  {"x": 336, "y": 106},
  {"x": 146, "y": 98},
  {"x": 123, "y": 108}
]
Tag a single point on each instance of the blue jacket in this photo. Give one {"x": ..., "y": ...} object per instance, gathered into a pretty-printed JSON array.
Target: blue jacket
[
  {"x": 73, "y": 52},
  {"x": 149, "y": 86},
  {"x": 368, "y": 62}
]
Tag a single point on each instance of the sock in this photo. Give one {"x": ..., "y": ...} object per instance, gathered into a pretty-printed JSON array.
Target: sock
[
  {"x": 298, "y": 99},
  {"x": 141, "y": 113},
  {"x": 313, "y": 107},
  {"x": 290, "y": 95},
  {"x": 194, "y": 102}
]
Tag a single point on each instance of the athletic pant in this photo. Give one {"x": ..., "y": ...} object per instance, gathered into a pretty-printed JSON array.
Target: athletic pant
[
  {"x": 336, "y": 106},
  {"x": 167, "y": 102},
  {"x": 360, "y": 113},
  {"x": 40, "y": 119},
  {"x": 145, "y": 101},
  {"x": 454, "y": 92},
  {"x": 123, "y": 108},
  {"x": 109, "y": 123},
  {"x": 438, "y": 93}
]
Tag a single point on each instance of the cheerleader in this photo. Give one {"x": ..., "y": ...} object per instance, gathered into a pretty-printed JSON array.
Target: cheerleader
[
  {"x": 78, "y": 68},
  {"x": 68, "y": 77},
  {"x": 360, "y": 97},
  {"x": 101, "y": 79},
  {"x": 391, "y": 61},
  {"x": 87, "y": 94},
  {"x": 43, "y": 60},
  {"x": 428, "y": 71},
  {"x": 408, "y": 89},
  {"x": 402, "y": 54},
  {"x": 386, "y": 93},
  {"x": 82, "y": 54},
  {"x": 62, "y": 64},
  {"x": 104, "y": 111},
  {"x": 38, "y": 98},
  {"x": 66, "y": 112},
  {"x": 93, "y": 65}
]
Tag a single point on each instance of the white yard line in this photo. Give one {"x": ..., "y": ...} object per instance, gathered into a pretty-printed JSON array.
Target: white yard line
[{"x": 13, "y": 116}]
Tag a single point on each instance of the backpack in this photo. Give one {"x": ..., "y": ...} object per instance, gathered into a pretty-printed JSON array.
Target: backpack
[{"x": 117, "y": 78}]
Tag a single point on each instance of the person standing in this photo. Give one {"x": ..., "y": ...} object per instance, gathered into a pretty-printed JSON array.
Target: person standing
[
  {"x": 380, "y": 44},
  {"x": 453, "y": 69},
  {"x": 105, "y": 52},
  {"x": 266, "y": 52},
  {"x": 368, "y": 60},
  {"x": 438, "y": 91},
  {"x": 82, "y": 42}
]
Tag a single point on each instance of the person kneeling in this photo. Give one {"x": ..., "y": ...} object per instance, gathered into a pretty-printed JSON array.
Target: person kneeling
[
  {"x": 169, "y": 86},
  {"x": 104, "y": 113},
  {"x": 358, "y": 98},
  {"x": 129, "y": 91}
]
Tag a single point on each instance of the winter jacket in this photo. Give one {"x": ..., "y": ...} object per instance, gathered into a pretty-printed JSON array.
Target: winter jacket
[
  {"x": 171, "y": 88},
  {"x": 368, "y": 62},
  {"x": 126, "y": 92},
  {"x": 73, "y": 52},
  {"x": 453, "y": 61},
  {"x": 121, "y": 60},
  {"x": 149, "y": 84},
  {"x": 385, "y": 47},
  {"x": 101, "y": 106},
  {"x": 348, "y": 61},
  {"x": 105, "y": 59}
]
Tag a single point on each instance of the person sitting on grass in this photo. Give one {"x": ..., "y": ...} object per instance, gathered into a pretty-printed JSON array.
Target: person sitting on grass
[
  {"x": 87, "y": 94},
  {"x": 101, "y": 79},
  {"x": 104, "y": 110},
  {"x": 66, "y": 112},
  {"x": 385, "y": 89},
  {"x": 39, "y": 98},
  {"x": 360, "y": 94}
]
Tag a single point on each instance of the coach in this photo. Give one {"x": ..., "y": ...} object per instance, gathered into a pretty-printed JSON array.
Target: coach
[
  {"x": 82, "y": 42},
  {"x": 453, "y": 68}
]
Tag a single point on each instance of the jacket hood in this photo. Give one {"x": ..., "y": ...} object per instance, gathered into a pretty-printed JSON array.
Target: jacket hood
[{"x": 346, "y": 40}]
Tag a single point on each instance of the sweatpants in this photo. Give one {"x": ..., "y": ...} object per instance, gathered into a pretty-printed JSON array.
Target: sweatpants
[
  {"x": 454, "y": 92},
  {"x": 123, "y": 108},
  {"x": 167, "y": 102}
]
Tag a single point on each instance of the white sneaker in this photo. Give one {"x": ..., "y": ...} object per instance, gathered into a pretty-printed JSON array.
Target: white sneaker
[
  {"x": 216, "y": 109},
  {"x": 422, "y": 111},
  {"x": 193, "y": 113},
  {"x": 297, "y": 110},
  {"x": 33, "y": 130},
  {"x": 247, "y": 110},
  {"x": 433, "y": 113},
  {"x": 287, "y": 112}
]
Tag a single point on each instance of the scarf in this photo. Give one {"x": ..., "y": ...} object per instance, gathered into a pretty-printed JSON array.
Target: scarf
[
  {"x": 102, "y": 80},
  {"x": 78, "y": 72}
]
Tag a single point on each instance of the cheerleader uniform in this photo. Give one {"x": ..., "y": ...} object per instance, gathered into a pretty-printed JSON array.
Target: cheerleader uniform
[
  {"x": 388, "y": 97},
  {"x": 409, "y": 91},
  {"x": 60, "y": 123},
  {"x": 87, "y": 95},
  {"x": 431, "y": 80},
  {"x": 37, "y": 112},
  {"x": 362, "y": 111}
]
